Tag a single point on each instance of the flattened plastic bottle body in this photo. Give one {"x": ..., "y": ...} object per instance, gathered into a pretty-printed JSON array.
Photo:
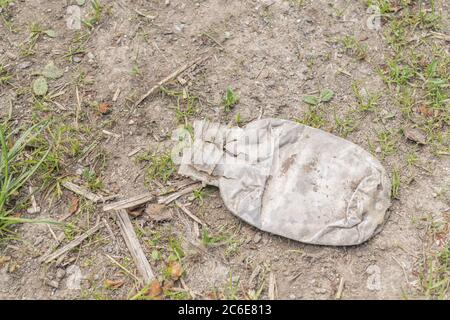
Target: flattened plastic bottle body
[{"x": 292, "y": 180}]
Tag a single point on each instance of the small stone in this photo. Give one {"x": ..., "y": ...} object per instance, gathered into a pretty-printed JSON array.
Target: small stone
[
  {"x": 292, "y": 296},
  {"x": 33, "y": 210},
  {"x": 415, "y": 135},
  {"x": 320, "y": 290},
  {"x": 75, "y": 277},
  {"x": 179, "y": 27},
  {"x": 157, "y": 212},
  {"x": 24, "y": 65},
  {"x": 378, "y": 149},
  {"x": 77, "y": 59},
  {"x": 167, "y": 2},
  {"x": 11, "y": 55},
  {"x": 264, "y": 74},
  {"x": 374, "y": 279},
  {"x": 257, "y": 238},
  {"x": 38, "y": 241},
  {"x": 60, "y": 273},
  {"x": 52, "y": 283}
]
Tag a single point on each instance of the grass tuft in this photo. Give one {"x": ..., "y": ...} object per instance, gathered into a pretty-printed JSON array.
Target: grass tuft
[{"x": 15, "y": 169}]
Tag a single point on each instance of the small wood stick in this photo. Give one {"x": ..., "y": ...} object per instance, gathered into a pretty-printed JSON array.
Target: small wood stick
[
  {"x": 111, "y": 233},
  {"x": 173, "y": 196},
  {"x": 82, "y": 192},
  {"x": 130, "y": 202},
  {"x": 78, "y": 110},
  {"x": 116, "y": 95},
  {"x": 76, "y": 242},
  {"x": 189, "y": 213},
  {"x": 127, "y": 230},
  {"x": 273, "y": 291},
  {"x": 170, "y": 77},
  {"x": 340, "y": 288},
  {"x": 53, "y": 234}
]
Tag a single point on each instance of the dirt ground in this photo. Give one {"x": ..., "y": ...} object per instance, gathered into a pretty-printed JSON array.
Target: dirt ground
[{"x": 271, "y": 53}]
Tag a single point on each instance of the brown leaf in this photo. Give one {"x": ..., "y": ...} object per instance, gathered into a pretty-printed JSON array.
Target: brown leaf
[
  {"x": 415, "y": 135},
  {"x": 114, "y": 284},
  {"x": 168, "y": 284},
  {"x": 104, "y": 108},
  {"x": 158, "y": 212},
  {"x": 4, "y": 259},
  {"x": 175, "y": 270},
  {"x": 12, "y": 267},
  {"x": 136, "y": 212},
  {"x": 73, "y": 205},
  {"x": 154, "y": 290},
  {"x": 425, "y": 111}
]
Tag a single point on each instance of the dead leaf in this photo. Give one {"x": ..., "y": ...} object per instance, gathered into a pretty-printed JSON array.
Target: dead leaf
[
  {"x": 174, "y": 270},
  {"x": 136, "y": 212},
  {"x": 4, "y": 259},
  {"x": 212, "y": 295},
  {"x": 425, "y": 111},
  {"x": 104, "y": 108},
  {"x": 158, "y": 212},
  {"x": 12, "y": 267},
  {"x": 415, "y": 135},
  {"x": 168, "y": 284},
  {"x": 114, "y": 284},
  {"x": 73, "y": 205},
  {"x": 154, "y": 289}
]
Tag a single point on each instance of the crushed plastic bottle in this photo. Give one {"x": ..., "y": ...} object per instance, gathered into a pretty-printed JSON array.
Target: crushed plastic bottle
[{"x": 292, "y": 180}]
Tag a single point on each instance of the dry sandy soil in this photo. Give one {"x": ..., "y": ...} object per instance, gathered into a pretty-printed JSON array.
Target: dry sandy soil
[{"x": 271, "y": 53}]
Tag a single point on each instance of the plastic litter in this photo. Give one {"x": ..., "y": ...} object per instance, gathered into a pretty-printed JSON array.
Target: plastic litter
[{"x": 292, "y": 180}]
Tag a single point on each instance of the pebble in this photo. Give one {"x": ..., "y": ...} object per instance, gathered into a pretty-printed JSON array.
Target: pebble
[
  {"x": 38, "y": 241},
  {"x": 320, "y": 290},
  {"x": 60, "y": 273},
  {"x": 91, "y": 57},
  {"x": 52, "y": 283},
  {"x": 374, "y": 279},
  {"x": 257, "y": 238},
  {"x": 415, "y": 135},
  {"x": 77, "y": 59},
  {"x": 179, "y": 27},
  {"x": 24, "y": 65},
  {"x": 11, "y": 55},
  {"x": 75, "y": 277}
]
